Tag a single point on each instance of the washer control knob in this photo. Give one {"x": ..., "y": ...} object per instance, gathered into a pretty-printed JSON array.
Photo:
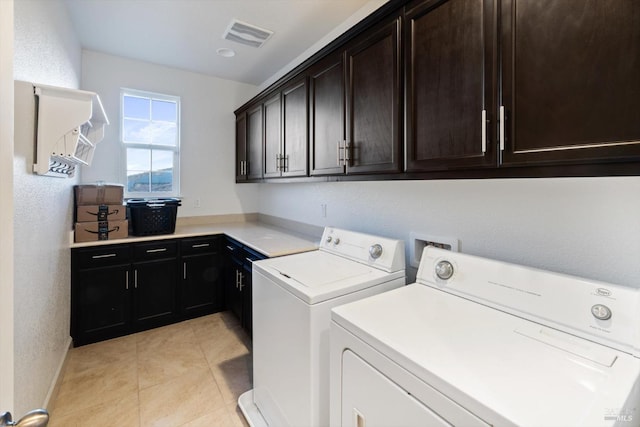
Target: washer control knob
[
  {"x": 601, "y": 312},
  {"x": 329, "y": 239},
  {"x": 375, "y": 251},
  {"x": 336, "y": 241},
  {"x": 444, "y": 270}
]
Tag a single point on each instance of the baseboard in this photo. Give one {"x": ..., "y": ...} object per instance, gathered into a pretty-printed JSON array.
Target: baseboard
[{"x": 54, "y": 388}]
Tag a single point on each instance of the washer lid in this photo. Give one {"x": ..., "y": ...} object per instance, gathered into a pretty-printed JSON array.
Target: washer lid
[
  {"x": 504, "y": 369},
  {"x": 318, "y": 276}
]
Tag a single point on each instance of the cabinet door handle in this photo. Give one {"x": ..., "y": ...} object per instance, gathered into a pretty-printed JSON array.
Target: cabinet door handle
[
  {"x": 286, "y": 163},
  {"x": 135, "y": 279},
  {"x": 201, "y": 245},
  {"x": 184, "y": 270},
  {"x": 231, "y": 248},
  {"x": 104, "y": 256},
  {"x": 278, "y": 168},
  {"x": 502, "y": 125},
  {"x": 484, "y": 131},
  {"x": 250, "y": 260},
  {"x": 241, "y": 285},
  {"x": 150, "y": 251},
  {"x": 126, "y": 280},
  {"x": 237, "y": 281}
]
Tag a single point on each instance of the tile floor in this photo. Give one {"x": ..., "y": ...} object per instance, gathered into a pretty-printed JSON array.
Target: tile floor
[{"x": 187, "y": 374}]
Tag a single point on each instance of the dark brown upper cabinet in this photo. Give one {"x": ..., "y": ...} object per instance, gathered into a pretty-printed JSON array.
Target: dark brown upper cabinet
[
  {"x": 326, "y": 115},
  {"x": 255, "y": 143},
  {"x": 272, "y": 136},
  {"x": 293, "y": 158},
  {"x": 285, "y": 132},
  {"x": 570, "y": 81},
  {"x": 241, "y": 146},
  {"x": 374, "y": 109},
  {"x": 449, "y": 66}
]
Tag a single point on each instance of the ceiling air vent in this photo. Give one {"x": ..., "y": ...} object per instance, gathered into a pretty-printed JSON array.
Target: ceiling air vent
[{"x": 247, "y": 34}]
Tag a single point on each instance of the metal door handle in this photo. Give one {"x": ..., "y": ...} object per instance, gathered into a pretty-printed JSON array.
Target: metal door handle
[
  {"x": 502, "y": 116},
  {"x": 126, "y": 280},
  {"x": 484, "y": 131},
  {"x": 135, "y": 279},
  {"x": 231, "y": 248},
  {"x": 184, "y": 270},
  {"x": 35, "y": 418},
  {"x": 250, "y": 260},
  {"x": 150, "y": 251},
  {"x": 104, "y": 256},
  {"x": 201, "y": 245}
]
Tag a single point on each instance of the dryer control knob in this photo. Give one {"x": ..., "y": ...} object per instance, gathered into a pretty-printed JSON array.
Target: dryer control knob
[
  {"x": 444, "y": 270},
  {"x": 601, "y": 312},
  {"x": 375, "y": 251},
  {"x": 336, "y": 241},
  {"x": 329, "y": 239}
]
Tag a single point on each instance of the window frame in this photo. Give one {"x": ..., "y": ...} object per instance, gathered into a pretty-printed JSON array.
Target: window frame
[{"x": 148, "y": 146}]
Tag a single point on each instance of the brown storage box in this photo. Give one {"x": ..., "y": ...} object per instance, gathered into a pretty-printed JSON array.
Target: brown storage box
[
  {"x": 108, "y": 194},
  {"x": 103, "y": 230},
  {"x": 93, "y": 213}
]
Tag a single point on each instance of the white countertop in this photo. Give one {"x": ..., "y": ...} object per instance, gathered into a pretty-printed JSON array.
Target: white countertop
[{"x": 266, "y": 239}]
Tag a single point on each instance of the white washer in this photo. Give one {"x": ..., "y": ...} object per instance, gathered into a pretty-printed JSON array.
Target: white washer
[
  {"x": 494, "y": 344},
  {"x": 292, "y": 300}
]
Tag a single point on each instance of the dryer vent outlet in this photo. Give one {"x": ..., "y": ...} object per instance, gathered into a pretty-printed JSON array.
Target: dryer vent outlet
[{"x": 420, "y": 241}]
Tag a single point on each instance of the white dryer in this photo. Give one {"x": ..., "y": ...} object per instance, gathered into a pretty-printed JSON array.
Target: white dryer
[
  {"x": 477, "y": 342},
  {"x": 292, "y": 301}
]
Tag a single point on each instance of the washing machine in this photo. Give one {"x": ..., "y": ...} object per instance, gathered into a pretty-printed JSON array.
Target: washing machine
[
  {"x": 478, "y": 342},
  {"x": 292, "y": 301}
]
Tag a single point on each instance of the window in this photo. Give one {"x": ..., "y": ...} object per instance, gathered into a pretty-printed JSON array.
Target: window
[{"x": 150, "y": 134}]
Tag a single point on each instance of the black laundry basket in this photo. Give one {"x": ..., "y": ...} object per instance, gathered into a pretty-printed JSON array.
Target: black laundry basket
[{"x": 152, "y": 216}]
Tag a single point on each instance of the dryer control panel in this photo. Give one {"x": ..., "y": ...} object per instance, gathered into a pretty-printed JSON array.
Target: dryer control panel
[{"x": 379, "y": 252}]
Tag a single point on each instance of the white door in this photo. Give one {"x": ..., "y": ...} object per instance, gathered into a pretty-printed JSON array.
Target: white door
[{"x": 6, "y": 212}]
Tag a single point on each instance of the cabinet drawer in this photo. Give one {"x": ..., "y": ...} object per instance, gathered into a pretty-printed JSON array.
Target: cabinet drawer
[
  {"x": 155, "y": 250},
  {"x": 101, "y": 256},
  {"x": 234, "y": 249},
  {"x": 197, "y": 245}
]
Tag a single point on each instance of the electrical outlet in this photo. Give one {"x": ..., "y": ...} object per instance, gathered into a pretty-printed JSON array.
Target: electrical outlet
[
  {"x": 196, "y": 203},
  {"x": 420, "y": 241}
]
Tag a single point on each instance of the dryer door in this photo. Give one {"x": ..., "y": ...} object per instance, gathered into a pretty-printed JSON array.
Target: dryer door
[{"x": 370, "y": 399}]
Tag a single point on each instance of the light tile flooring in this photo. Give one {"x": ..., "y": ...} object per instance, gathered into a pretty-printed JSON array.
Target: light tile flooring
[{"x": 186, "y": 374}]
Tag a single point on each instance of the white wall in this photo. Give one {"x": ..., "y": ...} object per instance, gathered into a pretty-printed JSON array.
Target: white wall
[
  {"x": 46, "y": 51},
  {"x": 6, "y": 213},
  {"x": 584, "y": 226},
  {"x": 207, "y": 137}
]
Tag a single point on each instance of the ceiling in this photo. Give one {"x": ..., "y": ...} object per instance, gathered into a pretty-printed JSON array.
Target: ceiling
[{"x": 186, "y": 33}]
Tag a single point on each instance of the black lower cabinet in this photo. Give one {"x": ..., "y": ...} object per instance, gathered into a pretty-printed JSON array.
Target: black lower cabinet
[
  {"x": 120, "y": 289},
  {"x": 202, "y": 276},
  {"x": 155, "y": 302},
  {"x": 102, "y": 303},
  {"x": 238, "y": 281}
]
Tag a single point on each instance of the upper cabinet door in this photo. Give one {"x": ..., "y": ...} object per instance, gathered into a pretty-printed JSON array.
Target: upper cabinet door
[
  {"x": 570, "y": 80},
  {"x": 374, "y": 110},
  {"x": 272, "y": 137},
  {"x": 449, "y": 60},
  {"x": 295, "y": 129},
  {"x": 255, "y": 133},
  {"x": 241, "y": 146},
  {"x": 326, "y": 115}
]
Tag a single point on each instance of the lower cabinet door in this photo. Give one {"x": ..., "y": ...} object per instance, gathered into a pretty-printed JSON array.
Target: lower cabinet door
[
  {"x": 247, "y": 304},
  {"x": 201, "y": 284},
  {"x": 155, "y": 298},
  {"x": 101, "y": 307}
]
